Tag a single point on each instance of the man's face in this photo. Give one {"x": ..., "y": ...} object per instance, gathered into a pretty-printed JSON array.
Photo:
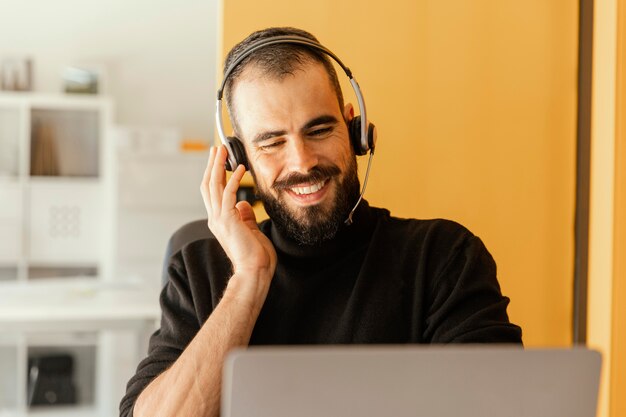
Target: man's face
[{"x": 299, "y": 150}]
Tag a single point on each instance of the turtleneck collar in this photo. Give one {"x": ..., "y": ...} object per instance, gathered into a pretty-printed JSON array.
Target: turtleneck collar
[{"x": 364, "y": 222}]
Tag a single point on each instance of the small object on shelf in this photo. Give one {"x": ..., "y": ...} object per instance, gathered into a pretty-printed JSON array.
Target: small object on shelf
[
  {"x": 51, "y": 380},
  {"x": 16, "y": 74},
  {"x": 44, "y": 156},
  {"x": 80, "y": 81}
]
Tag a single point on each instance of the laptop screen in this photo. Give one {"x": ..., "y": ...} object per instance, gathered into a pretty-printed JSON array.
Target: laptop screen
[{"x": 411, "y": 380}]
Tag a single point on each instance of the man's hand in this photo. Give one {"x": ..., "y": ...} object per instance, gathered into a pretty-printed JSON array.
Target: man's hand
[
  {"x": 191, "y": 386},
  {"x": 234, "y": 225}
]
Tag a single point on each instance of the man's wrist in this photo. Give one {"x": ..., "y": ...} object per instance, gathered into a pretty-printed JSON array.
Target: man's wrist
[{"x": 247, "y": 289}]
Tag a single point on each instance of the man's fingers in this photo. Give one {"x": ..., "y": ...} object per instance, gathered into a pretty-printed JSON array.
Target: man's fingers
[
  {"x": 207, "y": 169},
  {"x": 218, "y": 179},
  {"x": 230, "y": 191},
  {"x": 246, "y": 213},
  {"x": 204, "y": 185}
]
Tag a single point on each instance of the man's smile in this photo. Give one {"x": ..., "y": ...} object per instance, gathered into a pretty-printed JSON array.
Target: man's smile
[
  {"x": 309, "y": 194},
  {"x": 309, "y": 189}
]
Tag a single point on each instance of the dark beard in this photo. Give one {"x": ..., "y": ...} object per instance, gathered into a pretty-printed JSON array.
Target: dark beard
[{"x": 316, "y": 224}]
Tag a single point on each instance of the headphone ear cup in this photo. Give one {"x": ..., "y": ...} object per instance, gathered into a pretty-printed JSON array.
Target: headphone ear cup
[
  {"x": 372, "y": 135},
  {"x": 354, "y": 130},
  {"x": 239, "y": 153}
]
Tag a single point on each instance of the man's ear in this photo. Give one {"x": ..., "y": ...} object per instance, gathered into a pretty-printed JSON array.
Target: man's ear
[{"x": 348, "y": 112}]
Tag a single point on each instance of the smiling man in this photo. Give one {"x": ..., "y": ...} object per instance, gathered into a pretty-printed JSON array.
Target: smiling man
[
  {"x": 308, "y": 275},
  {"x": 298, "y": 149}
]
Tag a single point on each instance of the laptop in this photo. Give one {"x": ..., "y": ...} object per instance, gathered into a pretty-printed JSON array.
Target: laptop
[{"x": 410, "y": 380}]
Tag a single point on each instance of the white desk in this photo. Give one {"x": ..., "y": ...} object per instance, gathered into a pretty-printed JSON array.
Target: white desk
[{"x": 77, "y": 306}]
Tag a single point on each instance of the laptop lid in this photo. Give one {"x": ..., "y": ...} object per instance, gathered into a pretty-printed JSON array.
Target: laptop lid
[{"x": 431, "y": 381}]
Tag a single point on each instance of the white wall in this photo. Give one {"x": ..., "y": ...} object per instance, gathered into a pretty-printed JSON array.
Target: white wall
[{"x": 159, "y": 55}]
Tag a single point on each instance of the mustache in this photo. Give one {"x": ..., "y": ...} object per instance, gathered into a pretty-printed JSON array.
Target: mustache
[{"x": 317, "y": 174}]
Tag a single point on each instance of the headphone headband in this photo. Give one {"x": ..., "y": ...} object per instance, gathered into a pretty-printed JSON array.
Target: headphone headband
[{"x": 297, "y": 40}]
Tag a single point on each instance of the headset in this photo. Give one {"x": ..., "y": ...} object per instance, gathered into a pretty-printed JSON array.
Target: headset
[{"x": 362, "y": 133}]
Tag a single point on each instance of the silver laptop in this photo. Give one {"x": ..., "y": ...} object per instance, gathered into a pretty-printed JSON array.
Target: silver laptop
[{"x": 399, "y": 381}]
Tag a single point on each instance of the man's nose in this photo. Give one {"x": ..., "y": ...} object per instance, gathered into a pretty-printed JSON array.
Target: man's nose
[{"x": 302, "y": 157}]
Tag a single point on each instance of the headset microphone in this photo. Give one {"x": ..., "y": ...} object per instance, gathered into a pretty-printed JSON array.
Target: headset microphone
[
  {"x": 362, "y": 133},
  {"x": 348, "y": 221}
]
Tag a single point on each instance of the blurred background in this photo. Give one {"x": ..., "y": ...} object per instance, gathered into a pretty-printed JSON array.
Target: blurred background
[{"x": 106, "y": 113}]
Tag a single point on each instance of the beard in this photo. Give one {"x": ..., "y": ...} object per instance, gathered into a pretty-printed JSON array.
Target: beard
[{"x": 313, "y": 225}]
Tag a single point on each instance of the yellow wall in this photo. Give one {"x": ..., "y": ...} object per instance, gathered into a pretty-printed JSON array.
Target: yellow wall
[{"x": 475, "y": 103}]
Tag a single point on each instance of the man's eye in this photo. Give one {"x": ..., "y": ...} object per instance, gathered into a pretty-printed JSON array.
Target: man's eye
[
  {"x": 270, "y": 145},
  {"x": 321, "y": 131}
]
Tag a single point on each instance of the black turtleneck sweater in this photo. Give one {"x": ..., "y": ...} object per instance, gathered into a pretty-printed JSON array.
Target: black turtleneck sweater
[{"x": 381, "y": 280}]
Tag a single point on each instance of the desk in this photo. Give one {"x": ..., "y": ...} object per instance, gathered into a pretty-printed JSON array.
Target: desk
[{"x": 79, "y": 305}]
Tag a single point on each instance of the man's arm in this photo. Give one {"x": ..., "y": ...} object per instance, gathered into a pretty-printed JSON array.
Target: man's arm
[
  {"x": 465, "y": 303},
  {"x": 191, "y": 386}
]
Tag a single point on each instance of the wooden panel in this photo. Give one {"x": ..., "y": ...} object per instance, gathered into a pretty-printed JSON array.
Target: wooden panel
[
  {"x": 618, "y": 365},
  {"x": 583, "y": 170}
]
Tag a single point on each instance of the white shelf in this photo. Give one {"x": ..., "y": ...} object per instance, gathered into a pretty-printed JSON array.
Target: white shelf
[
  {"x": 9, "y": 142},
  {"x": 52, "y": 101},
  {"x": 61, "y": 220},
  {"x": 9, "y": 365},
  {"x": 54, "y": 229},
  {"x": 62, "y": 180},
  {"x": 10, "y": 224}
]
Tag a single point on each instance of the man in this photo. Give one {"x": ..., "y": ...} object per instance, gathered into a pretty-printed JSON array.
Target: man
[{"x": 304, "y": 276}]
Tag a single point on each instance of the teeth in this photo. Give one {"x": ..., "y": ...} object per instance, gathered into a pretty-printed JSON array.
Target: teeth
[{"x": 308, "y": 190}]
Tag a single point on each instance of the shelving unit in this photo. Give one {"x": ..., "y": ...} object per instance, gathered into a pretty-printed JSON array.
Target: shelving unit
[
  {"x": 9, "y": 360},
  {"x": 56, "y": 187},
  {"x": 59, "y": 292}
]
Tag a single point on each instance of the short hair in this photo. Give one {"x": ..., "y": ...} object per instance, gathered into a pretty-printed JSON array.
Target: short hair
[{"x": 277, "y": 60}]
